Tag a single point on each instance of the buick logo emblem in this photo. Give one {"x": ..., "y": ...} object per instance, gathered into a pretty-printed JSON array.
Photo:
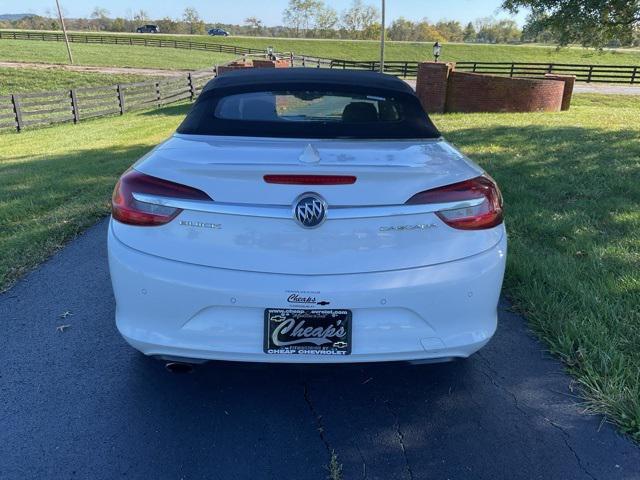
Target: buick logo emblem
[{"x": 309, "y": 210}]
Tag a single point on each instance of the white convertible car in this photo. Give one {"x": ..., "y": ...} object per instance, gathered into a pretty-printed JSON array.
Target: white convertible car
[{"x": 306, "y": 216}]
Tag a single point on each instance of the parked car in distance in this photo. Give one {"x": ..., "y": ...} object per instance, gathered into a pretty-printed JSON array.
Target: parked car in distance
[
  {"x": 218, "y": 32},
  {"x": 148, "y": 29},
  {"x": 306, "y": 215}
]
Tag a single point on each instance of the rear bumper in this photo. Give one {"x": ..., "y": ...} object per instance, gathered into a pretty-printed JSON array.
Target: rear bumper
[{"x": 178, "y": 310}]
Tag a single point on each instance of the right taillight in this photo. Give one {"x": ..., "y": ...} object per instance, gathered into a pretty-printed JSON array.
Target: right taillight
[
  {"x": 487, "y": 214},
  {"x": 127, "y": 209}
]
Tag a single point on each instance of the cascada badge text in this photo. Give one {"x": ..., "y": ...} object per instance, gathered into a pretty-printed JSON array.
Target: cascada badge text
[{"x": 301, "y": 299}]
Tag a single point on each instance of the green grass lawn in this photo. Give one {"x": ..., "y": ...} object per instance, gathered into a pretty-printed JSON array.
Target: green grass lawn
[
  {"x": 14, "y": 80},
  {"x": 342, "y": 49},
  {"x": 56, "y": 181},
  {"x": 109, "y": 55},
  {"x": 416, "y": 51},
  {"x": 571, "y": 183}
]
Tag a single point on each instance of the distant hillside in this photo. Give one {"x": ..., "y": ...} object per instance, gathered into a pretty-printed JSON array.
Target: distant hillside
[{"x": 14, "y": 16}]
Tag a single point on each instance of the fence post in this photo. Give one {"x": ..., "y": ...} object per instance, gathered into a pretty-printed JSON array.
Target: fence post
[
  {"x": 291, "y": 58},
  {"x": 590, "y": 72},
  {"x": 475, "y": 65},
  {"x": 158, "y": 96},
  {"x": 406, "y": 68},
  {"x": 74, "y": 106},
  {"x": 633, "y": 75},
  {"x": 17, "y": 111},
  {"x": 192, "y": 90},
  {"x": 318, "y": 63},
  {"x": 512, "y": 67},
  {"x": 304, "y": 61},
  {"x": 120, "y": 98}
]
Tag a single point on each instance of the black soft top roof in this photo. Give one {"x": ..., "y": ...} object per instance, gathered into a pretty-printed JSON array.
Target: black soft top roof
[
  {"x": 414, "y": 122},
  {"x": 255, "y": 77}
]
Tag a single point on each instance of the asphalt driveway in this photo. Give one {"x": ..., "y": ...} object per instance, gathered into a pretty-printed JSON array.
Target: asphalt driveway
[{"x": 80, "y": 403}]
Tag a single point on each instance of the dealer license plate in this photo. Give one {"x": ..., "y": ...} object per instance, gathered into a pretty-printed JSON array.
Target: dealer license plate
[{"x": 307, "y": 332}]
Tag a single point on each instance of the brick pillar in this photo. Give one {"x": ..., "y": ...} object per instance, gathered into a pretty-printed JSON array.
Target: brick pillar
[
  {"x": 431, "y": 85},
  {"x": 569, "y": 81}
]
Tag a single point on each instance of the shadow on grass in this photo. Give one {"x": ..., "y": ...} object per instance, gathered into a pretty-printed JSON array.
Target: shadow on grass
[
  {"x": 47, "y": 200},
  {"x": 572, "y": 191},
  {"x": 572, "y": 198}
]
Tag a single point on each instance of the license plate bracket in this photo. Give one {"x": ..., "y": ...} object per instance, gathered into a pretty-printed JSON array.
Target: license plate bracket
[{"x": 307, "y": 331}]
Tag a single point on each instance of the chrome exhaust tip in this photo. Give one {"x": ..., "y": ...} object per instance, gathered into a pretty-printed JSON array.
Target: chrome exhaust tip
[{"x": 179, "y": 367}]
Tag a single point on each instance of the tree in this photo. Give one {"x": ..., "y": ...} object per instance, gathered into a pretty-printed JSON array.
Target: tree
[
  {"x": 531, "y": 32},
  {"x": 101, "y": 19},
  {"x": 325, "y": 21},
  {"x": 591, "y": 23},
  {"x": 100, "y": 13},
  {"x": 451, "y": 30},
  {"x": 469, "y": 33},
  {"x": 372, "y": 31},
  {"x": 425, "y": 32},
  {"x": 169, "y": 25},
  {"x": 299, "y": 14},
  {"x": 490, "y": 30},
  {"x": 253, "y": 23},
  {"x": 141, "y": 16},
  {"x": 192, "y": 18},
  {"x": 119, "y": 24},
  {"x": 401, "y": 29},
  {"x": 359, "y": 18}
]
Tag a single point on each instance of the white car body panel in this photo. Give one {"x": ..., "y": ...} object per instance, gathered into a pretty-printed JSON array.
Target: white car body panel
[
  {"x": 259, "y": 235},
  {"x": 306, "y": 216},
  {"x": 187, "y": 290},
  {"x": 178, "y": 310}
]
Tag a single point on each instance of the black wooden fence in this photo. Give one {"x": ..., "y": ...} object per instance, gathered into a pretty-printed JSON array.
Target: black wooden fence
[
  {"x": 145, "y": 41},
  {"x": 584, "y": 73},
  {"x": 24, "y": 110},
  {"x": 629, "y": 74}
]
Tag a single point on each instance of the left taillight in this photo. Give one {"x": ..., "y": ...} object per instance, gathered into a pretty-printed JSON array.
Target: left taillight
[
  {"x": 127, "y": 209},
  {"x": 486, "y": 214}
]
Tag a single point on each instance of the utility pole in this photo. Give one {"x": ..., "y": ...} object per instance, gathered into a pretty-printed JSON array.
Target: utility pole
[
  {"x": 382, "y": 38},
  {"x": 64, "y": 31}
]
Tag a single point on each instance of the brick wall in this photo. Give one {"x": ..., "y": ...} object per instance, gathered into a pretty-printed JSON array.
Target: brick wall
[
  {"x": 230, "y": 67},
  {"x": 256, "y": 63},
  {"x": 431, "y": 85},
  {"x": 472, "y": 92},
  {"x": 280, "y": 63},
  {"x": 569, "y": 82}
]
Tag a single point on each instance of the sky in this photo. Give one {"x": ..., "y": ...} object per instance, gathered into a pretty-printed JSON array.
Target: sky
[{"x": 235, "y": 11}]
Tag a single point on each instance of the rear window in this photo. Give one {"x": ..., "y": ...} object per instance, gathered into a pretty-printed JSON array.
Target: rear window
[
  {"x": 309, "y": 113},
  {"x": 308, "y": 106}
]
